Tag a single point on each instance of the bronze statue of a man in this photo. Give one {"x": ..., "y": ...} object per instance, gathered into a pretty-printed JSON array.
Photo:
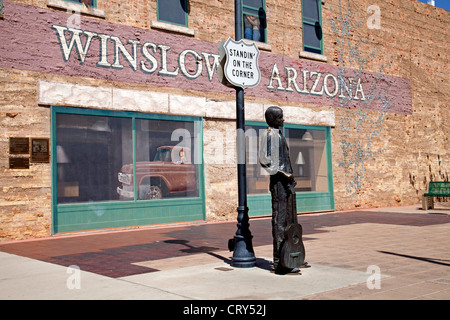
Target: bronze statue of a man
[{"x": 288, "y": 249}]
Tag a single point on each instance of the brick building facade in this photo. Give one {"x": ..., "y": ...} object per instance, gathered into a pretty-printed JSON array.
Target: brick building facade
[{"x": 95, "y": 91}]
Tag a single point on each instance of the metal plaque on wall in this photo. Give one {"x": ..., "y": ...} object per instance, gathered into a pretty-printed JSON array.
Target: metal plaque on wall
[
  {"x": 19, "y": 163},
  {"x": 40, "y": 151},
  {"x": 19, "y": 145}
]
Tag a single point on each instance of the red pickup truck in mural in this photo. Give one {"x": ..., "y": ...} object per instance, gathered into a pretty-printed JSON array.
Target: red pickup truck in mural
[{"x": 171, "y": 172}]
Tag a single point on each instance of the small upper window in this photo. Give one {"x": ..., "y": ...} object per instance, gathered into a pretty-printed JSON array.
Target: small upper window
[
  {"x": 84, "y": 7},
  {"x": 87, "y": 3},
  {"x": 312, "y": 26},
  {"x": 173, "y": 11},
  {"x": 254, "y": 20}
]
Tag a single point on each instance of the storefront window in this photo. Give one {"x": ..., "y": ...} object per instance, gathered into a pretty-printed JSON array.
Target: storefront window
[
  {"x": 114, "y": 169},
  {"x": 257, "y": 177},
  {"x": 308, "y": 159},
  {"x": 90, "y": 152},
  {"x": 165, "y": 162},
  {"x": 310, "y": 155},
  {"x": 95, "y": 159},
  {"x": 307, "y": 150}
]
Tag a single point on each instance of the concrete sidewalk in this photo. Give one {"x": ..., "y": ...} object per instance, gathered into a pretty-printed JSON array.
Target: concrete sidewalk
[
  {"x": 24, "y": 278},
  {"x": 368, "y": 254}
]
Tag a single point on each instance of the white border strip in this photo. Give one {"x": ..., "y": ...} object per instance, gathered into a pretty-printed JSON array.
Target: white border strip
[{"x": 75, "y": 95}]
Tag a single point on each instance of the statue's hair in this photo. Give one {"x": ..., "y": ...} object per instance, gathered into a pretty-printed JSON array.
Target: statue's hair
[{"x": 271, "y": 113}]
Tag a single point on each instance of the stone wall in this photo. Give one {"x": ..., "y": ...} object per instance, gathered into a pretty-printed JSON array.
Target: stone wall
[
  {"x": 409, "y": 150},
  {"x": 25, "y": 195}
]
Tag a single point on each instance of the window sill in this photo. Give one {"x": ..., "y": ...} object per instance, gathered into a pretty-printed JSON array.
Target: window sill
[
  {"x": 172, "y": 28},
  {"x": 260, "y": 45},
  {"x": 313, "y": 56},
  {"x": 77, "y": 8}
]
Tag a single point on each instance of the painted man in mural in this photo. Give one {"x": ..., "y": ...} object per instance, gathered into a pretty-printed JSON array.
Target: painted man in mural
[{"x": 288, "y": 249}]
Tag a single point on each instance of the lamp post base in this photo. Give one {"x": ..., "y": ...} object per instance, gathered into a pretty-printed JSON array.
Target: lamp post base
[
  {"x": 241, "y": 244},
  {"x": 243, "y": 255}
]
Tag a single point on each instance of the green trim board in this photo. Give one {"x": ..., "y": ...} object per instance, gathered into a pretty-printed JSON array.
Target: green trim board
[
  {"x": 102, "y": 215},
  {"x": 112, "y": 214},
  {"x": 307, "y": 201},
  {"x": 261, "y": 204}
]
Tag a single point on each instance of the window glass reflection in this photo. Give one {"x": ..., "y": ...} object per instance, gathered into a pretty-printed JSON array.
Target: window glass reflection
[
  {"x": 165, "y": 159},
  {"x": 90, "y": 152},
  {"x": 307, "y": 152},
  {"x": 257, "y": 176},
  {"x": 94, "y": 159},
  {"x": 308, "y": 158}
]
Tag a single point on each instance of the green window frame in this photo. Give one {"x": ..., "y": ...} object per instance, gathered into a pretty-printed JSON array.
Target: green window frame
[
  {"x": 307, "y": 201},
  {"x": 173, "y": 11},
  {"x": 312, "y": 26},
  {"x": 251, "y": 8},
  {"x": 72, "y": 217},
  {"x": 93, "y": 2}
]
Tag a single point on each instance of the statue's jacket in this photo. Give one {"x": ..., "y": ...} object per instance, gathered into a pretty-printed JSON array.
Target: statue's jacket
[{"x": 274, "y": 153}]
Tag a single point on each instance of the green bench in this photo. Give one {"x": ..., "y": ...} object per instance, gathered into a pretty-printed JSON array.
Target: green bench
[{"x": 435, "y": 189}]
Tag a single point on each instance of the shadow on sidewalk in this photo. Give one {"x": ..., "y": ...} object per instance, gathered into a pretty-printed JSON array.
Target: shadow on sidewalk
[
  {"x": 260, "y": 262},
  {"x": 430, "y": 260}
]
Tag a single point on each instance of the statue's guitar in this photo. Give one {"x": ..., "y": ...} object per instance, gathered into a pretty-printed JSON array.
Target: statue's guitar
[{"x": 293, "y": 250}]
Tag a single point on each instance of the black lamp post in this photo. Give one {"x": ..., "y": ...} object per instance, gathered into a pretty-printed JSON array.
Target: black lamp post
[{"x": 243, "y": 255}]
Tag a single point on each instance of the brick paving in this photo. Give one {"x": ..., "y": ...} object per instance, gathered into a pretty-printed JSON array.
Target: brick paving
[
  {"x": 411, "y": 250},
  {"x": 415, "y": 260}
]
